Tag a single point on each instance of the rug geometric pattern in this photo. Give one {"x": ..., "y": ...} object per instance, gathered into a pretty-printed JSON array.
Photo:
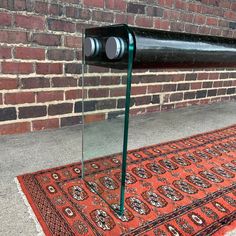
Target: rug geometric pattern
[{"x": 183, "y": 187}]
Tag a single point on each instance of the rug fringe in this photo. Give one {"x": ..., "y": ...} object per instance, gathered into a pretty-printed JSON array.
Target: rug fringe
[
  {"x": 30, "y": 211},
  {"x": 231, "y": 233}
]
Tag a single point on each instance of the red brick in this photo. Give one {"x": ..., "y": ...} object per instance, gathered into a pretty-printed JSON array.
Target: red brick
[
  {"x": 47, "y": 68},
  {"x": 187, "y": 17},
  {"x": 34, "y": 82},
  {"x": 20, "y": 5},
  {"x": 183, "y": 86},
  {"x": 6, "y": 83},
  {"x": 115, "y": 5},
  {"x": 227, "y": 83},
  {"x": 207, "y": 84},
  {"x": 144, "y": 21},
  {"x": 181, "y": 104},
  {"x": 135, "y": 8},
  {"x": 212, "y": 21},
  {"x": 166, "y": 107},
  {"x": 61, "y": 25},
  {"x": 177, "y": 26},
  {"x": 197, "y": 85},
  {"x": 57, "y": 109},
  {"x": 94, "y": 3},
  {"x": 102, "y": 16},
  {"x": 112, "y": 80},
  {"x": 15, "y": 128},
  {"x": 5, "y": 53},
  {"x": 19, "y": 98},
  {"x": 189, "y": 95},
  {"x": 217, "y": 84},
  {"x": 30, "y": 22},
  {"x": 55, "y": 9},
  {"x": 169, "y": 88},
  {"x": 16, "y": 5},
  {"x": 73, "y": 94},
  {"x": 73, "y": 68},
  {"x": 64, "y": 82},
  {"x": 60, "y": 54},
  {"x": 117, "y": 92},
  {"x": 31, "y": 112},
  {"x": 195, "y": 7},
  {"x": 224, "y": 76},
  {"x": 154, "y": 88},
  {"x": 153, "y": 108},
  {"x": 17, "y": 68},
  {"x": 179, "y": 4},
  {"x": 41, "y": 7},
  {"x": 213, "y": 76},
  {"x": 13, "y": 37},
  {"x": 202, "y": 76},
  {"x": 203, "y": 101},
  {"x": 162, "y": 24},
  {"x": 98, "y": 93},
  {"x": 50, "y": 96},
  {"x": 199, "y": 19},
  {"x": 73, "y": 41},
  {"x": 94, "y": 118},
  {"x": 230, "y": 15},
  {"x": 72, "y": 120},
  {"x": 191, "y": 28},
  {"x": 217, "y": 32},
  {"x": 138, "y": 90},
  {"x": 80, "y": 26},
  {"x": 45, "y": 124},
  {"x": 5, "y": 19},
  {"x": 30, "y": 53},
  {"x": 204, "y": 30},
  {"x": 207, "y": 10},
  {"x": 178, "y": 78},
  {"x": 142, "y": 100},
  {"x": 225, "y": 4},
  {"x": 176, "y": 97},
  {"x": 120, "y": 18},
  {"x": 137, "y": 111},
  {"x": 223, "y": 23},
  {"x": 77, "y": 13},
  {"x": 46, "y": 39},
  {"x": 172, "y": 15},
  {"x": 233, "y": 6},
  {"x": 154, "y": 11}
]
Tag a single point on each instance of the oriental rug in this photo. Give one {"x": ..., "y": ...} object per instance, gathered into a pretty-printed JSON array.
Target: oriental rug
[{"x": 183, "y": 187}]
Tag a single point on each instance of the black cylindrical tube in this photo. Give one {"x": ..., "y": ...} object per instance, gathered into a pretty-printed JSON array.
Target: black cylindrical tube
[{"x": 162, "y": 49}]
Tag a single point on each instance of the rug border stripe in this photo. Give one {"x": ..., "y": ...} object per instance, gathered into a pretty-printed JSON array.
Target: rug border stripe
[
  {"x": 34, "y": 213},
  {"x": 41, "y": 226}
]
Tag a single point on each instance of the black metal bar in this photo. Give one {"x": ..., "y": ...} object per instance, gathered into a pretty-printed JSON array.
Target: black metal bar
[{"x": 159, "y": 49}]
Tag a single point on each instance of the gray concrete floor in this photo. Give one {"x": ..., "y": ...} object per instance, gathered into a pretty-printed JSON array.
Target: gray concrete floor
[{"x": 24, "y": 153}]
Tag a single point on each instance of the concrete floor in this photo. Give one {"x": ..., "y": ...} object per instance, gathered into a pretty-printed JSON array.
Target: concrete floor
[{"x": 35, "y": 151}]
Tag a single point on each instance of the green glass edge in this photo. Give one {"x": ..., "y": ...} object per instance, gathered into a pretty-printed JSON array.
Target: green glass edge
[
  {"x": 126, "y": 122},
  {"x": 126, "y": 126},
  {"x": 83, "y": 71}
]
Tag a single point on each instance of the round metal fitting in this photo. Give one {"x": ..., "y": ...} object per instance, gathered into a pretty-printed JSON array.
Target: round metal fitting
[
  {"x": 91, "y": 47},
  {"x": 115, "y": 48}
]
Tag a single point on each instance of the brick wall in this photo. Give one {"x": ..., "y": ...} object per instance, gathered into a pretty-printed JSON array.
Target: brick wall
[{"x": 40, "y": 56}]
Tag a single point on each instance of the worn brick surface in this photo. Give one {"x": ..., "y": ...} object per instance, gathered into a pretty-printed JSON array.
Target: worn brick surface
[{"x": 41, "y": 52}]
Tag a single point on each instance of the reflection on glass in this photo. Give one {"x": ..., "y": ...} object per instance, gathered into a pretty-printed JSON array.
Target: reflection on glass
[{"x": 105, "y": 137}]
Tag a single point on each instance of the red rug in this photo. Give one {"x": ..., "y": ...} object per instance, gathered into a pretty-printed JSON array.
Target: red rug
[{"x": 184, "y": 187}]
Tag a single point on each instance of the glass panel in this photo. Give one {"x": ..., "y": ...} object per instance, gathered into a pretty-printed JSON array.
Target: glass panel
[{"x": 105, "y": 110}]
